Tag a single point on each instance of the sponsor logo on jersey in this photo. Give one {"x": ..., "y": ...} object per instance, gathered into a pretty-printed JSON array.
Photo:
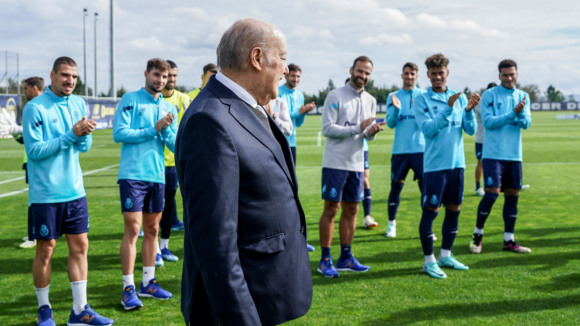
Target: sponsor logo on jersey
[
  {"x": 141, "y": 110},
  {"x": 54, "y": 120}
]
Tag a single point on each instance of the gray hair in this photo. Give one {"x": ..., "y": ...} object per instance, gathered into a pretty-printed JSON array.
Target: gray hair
[{"x": 237, "y": 42}]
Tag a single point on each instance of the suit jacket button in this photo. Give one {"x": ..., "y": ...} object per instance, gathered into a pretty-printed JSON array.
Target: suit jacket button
[
  {"x": 218, "y": 322},
  {"x": 302, "y": 229}
]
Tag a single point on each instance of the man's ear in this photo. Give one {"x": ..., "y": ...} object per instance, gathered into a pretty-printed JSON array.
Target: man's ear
[{"x": 257, "y": 58}]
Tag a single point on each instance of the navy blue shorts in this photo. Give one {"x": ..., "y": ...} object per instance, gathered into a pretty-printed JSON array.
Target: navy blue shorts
[
  {"x": 401, "y": 163},
  {"x": 142, "y": 196},
  {"x": 171, "y": 182},
  {"x": 51, "y": 221},
  {"x": 502, "y": 174},
  {"x": 478, "y": 150},
  {"x": 443, "y": 187},
  {"x": 367, "y": 165},
  {"x": 339, "y": 185}
]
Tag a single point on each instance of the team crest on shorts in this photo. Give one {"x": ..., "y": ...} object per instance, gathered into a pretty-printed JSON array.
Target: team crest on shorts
[
  {"x": 333, "y": 193},
  {"x": 43, "y": 230},
  {"x": 128, "y": 203},
  {"x": 434, "y": 200},
  {"x": 489, "y": 181},
  {"x": 362, "y": 194}
]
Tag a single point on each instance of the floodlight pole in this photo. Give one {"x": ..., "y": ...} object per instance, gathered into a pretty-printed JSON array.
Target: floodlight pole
[
  {"x": 85, "y": 13},
  {"x": 7, "y": 84},
  {"x": 18, "y": 73},
  {"x": 113, "y": 92},
  {"x": 95, "y": 93}
]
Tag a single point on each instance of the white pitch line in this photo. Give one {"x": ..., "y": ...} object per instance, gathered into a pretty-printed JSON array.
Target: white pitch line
[
  {"x": 97, "y": 146},
  {"x": 15, "y": 179},
  {"x": 386, "y": 166},
  {"x": 86, "y": 173},
  {"x": 11, "y": 172}
]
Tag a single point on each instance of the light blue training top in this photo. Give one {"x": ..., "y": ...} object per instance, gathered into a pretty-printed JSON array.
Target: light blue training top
[
  {"x": 503, "y": 138},
  {"x": 295, "y": 100},
  {"x": 54, "y": 172},
  {"x": 142, "y": 146},
  {"x": 441, "y": 125},
  {"x": 408, "y": 136}
]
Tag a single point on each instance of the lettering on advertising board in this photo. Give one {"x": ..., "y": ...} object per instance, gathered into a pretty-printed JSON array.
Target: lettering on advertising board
[{"x": 555, "y": 106}]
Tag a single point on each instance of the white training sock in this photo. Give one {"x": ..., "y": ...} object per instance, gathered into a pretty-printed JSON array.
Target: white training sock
[
  {"x": 393, "y": 223},
  {"x": 42, "y": 296},
  {"x": 128, "y": 280},
  {"x": 158, "y": 248},
  {"x": 445, "y": 253},
  {"x": 164, "y": 243},
  {"x": 148, "y": 274},
  {"x": 79, "y": 292},
  {"x": 478, "y": 230},
  {"x": 508, "y": 236},
  {"x": 430, "y": 259}
]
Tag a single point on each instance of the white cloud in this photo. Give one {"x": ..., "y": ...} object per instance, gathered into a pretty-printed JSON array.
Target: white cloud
[
  {"x": 151, "y": 43},
  {"x": 302, "y": 32},
  {"x": 381, "y": 39},
  {"x": 325, "y": 34},
  {"x": 431, "y": 21},
  {"x": 396, "y": 16}
]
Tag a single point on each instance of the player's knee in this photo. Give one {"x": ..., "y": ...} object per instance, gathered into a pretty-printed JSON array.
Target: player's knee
[
  {"x": 434, "y": 209},
  {"x": 402, "y": 181},
  {"x": 151, "y": 231},
  {"x": 493, "y": 190},
  {"x": 132, "y": 231},
  {"x": 454, "y": 208},
  {"x": 511, "y": 192},
  {"x": 45, "y": 249},
  {"x": 79, "y": 249}
]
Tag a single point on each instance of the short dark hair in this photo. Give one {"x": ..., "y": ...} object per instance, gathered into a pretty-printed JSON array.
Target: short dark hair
[
  {"x": 293, "y": 67},
  {"x": 63, "y": 61},
  {"x": 210, "y": 67},
  {"x": 35, "y": 81},
  {"x": 491, "y": 85},
  {"x": 411, "y": 65},
  {"x": 158, "y": 64},
  {"x": 436, "y": 61},
  {"x": 507, "y": 63},
  {"x": 362, "y": 58},
  {"x": 347, "y": 80},
  {"x": 171, "y": 64}
]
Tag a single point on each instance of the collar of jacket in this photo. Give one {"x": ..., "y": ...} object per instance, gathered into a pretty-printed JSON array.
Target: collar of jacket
[
  {"x": 248, "y": 119},
  {"x": 147, "y": 95},
  {"x": 55, "y": 98}
]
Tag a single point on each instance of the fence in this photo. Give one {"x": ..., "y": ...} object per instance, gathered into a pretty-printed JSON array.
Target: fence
[{"x": 102, "y": 109}]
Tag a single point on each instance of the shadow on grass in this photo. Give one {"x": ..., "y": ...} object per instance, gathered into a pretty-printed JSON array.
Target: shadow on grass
[
  {"x": 545, "y": 262},
  {"x": 441, "y": 313},
  {"x": 319, "y": 280},
  {"x": 103, "y": 297},
  {"x": 560, "y": 283}
]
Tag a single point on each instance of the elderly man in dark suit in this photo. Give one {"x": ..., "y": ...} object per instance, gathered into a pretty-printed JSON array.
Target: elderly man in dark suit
[{"x": 246, "y": 261}]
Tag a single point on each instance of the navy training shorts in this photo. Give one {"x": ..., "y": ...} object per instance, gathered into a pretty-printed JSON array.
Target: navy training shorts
[
  {"x": 142, "y": 196},
  {"x": 51, "y": 221},
  {"x": 443, "y": 187},
  {"x": 402, "y": 163},
  {"x": 339, "y": 185}
]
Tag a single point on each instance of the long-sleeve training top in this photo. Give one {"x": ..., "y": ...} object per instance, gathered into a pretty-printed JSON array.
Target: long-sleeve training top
[{"x": 408, "y": 136}]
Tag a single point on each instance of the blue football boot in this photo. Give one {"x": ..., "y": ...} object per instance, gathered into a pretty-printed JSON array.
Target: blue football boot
[
  {"x": 166, "y": 254},
  {"x": 309, "y": 247},
  {"x": 177, "y": 227},
  {"x": 351, "y": 265},
  {"x": 153, "y": 290},
  {"x": 159, "y": 261},
  {"x": 88, "y": 317},
  {"x": 130, "y": 300},
  {"x": 326, "y": 267},
  {"x": 141, "y": 234},
  {"x": 45, "y": 316}
]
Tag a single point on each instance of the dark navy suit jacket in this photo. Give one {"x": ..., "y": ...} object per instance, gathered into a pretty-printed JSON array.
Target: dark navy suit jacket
[{"x": 245, "y": 256}]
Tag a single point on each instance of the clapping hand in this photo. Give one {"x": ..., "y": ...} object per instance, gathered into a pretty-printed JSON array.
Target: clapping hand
[
  {"x": 395, "y": 101},
  {"x": 473, "y": 101},
  {"x": 164, "y": 122},
  {"x": 84, "y": 127},
  {"x": 520, "y": 107}
]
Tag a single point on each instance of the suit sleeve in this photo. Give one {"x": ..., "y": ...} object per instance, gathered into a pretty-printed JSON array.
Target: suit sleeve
[
  {"x": 489, "y": 118},
  {"x": 33, "y": 132},
  {"x": 211, "y": 200},
  {"x": 525, "y": 117},
  {"x": 430, "y": 126},
  {"x": 83, "y": 144},
  {"x": 283, "y": 119},
  {"x": 392, "y": 112},
  {"x": 168, "y": 134},
  {"x": 122, "y": 132},
  {"x": 330, "y": 128}
]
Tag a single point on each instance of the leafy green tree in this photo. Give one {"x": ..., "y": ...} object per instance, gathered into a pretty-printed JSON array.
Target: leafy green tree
[
  {"x": 532, "y": 90},
  {"x": 571, "y": 98},
  {"x": 322, "y": 94},
  {"x": 80, "y": 88},
  {"x": 121, "y": 91},
  {"x": 554, "y": 95},
  {"x": 467, "y": 92}
]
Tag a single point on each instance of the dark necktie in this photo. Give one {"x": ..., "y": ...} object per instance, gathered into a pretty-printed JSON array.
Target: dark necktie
[{"x": 263, "y": 116}]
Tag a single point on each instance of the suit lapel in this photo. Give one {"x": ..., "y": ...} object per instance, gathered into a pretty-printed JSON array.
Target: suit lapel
[{"x": 245, "y": 117}]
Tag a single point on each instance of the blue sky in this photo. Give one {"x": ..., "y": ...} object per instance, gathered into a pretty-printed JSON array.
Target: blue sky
[{"x": 324, "y": 36}]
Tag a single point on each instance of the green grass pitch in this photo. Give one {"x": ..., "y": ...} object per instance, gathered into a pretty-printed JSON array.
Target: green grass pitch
[{"x": 501, "y": 288}]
